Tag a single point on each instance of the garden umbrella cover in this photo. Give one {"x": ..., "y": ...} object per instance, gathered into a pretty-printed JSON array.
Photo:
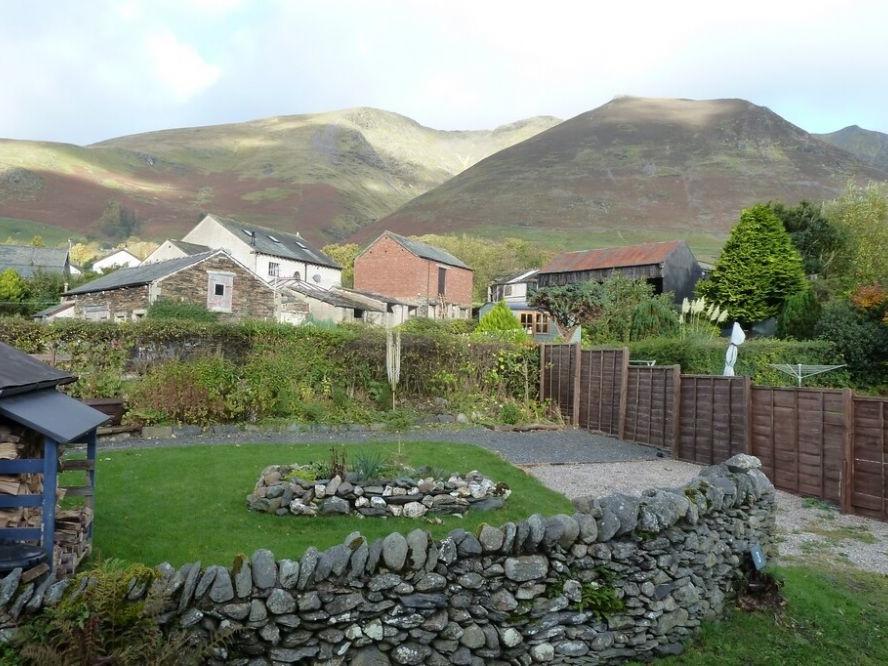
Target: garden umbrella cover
[{"x": 738, "y": 337}]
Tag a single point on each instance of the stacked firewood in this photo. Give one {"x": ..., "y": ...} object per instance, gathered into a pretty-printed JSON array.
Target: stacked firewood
[{"x": 72, "y": 524}]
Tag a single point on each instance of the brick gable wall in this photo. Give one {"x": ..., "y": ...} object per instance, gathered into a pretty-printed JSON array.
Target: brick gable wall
[{"x": 387, "y": 268}]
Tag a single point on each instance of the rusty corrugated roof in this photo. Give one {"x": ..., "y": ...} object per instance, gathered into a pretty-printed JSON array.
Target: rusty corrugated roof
[{"x": 643, "y": 254}]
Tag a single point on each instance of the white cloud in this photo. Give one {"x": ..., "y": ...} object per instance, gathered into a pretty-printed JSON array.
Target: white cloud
[{"x": 178, "y": 66}]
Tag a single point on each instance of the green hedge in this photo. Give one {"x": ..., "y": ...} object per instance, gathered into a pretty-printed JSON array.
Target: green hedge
[
  {"x": 701, "y": 356},
  {"x": 257, "y": 370}
]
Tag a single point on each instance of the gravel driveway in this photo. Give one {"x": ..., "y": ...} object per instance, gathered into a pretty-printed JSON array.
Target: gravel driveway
[
  {"x": 807, "y": 529},
  {"x": 519, "y": 448}
]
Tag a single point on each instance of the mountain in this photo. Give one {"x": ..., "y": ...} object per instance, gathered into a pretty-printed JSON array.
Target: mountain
[
  {"x": 868, "y": 146},
  {"x": 323, "y": 174},
  {"x": 634, "y": 169}
]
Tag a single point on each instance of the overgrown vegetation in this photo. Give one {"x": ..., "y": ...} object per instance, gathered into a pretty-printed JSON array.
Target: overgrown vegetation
[
  {"x": 163, "y": 309},
  {"x": 95, "y": 623}
]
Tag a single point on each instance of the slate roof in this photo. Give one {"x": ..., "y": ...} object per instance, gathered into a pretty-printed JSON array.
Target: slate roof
[
  {"x": 19, "y": 373},
  {"x": 53, "y": 309},
  {"x": 137, "y": 275},
  {"x": 189, "y": 248},
  {"x": 643, "y": 254},
  {"x": 276, "y": 243},
  {"x": 425, "y": 250},
  {"x": 27, "y": 260},
  {"x": 329, "y": 296}
]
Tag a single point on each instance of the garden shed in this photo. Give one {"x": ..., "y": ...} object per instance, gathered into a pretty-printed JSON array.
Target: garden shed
[{"x": 36, "y": 422}]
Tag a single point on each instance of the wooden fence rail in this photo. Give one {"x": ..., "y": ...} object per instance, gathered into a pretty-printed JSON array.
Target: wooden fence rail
[{"x": 823, "y": 443}]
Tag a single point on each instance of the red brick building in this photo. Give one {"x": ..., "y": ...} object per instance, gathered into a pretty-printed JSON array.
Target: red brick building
[{"x": 433, "y": 281}]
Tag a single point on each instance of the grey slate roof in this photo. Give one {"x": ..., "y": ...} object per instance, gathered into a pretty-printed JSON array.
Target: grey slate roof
[
  {"x": 27, "y": 260},
  {"x": 20, "y": 373},
  {"x": 189, "y": 248},
  {"x": 426, "y": 251},
  {"x": 276, "y": 243},
  {"x": 52, "y": 309},
  {"x": 335, "y": 298},
  {"x": 144, "y": 274}
]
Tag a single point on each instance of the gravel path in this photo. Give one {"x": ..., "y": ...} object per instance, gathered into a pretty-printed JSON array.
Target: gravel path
[
  {"x": 807, "y": 529},
  {"x": 519, "y": 448}
]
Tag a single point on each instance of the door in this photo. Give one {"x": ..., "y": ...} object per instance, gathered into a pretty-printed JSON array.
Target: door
[{"x": 442, "y": 280}]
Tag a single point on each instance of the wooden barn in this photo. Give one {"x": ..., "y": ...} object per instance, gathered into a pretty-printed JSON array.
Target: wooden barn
[{"x": 668, "y": 266}]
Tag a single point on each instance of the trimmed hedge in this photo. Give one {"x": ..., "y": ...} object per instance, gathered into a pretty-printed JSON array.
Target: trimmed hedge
[{"x": 703, "y": 356}]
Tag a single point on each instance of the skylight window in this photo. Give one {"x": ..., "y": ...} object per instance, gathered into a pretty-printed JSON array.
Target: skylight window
[
  {"x": 248, "y": 232},
  {"x": 273, "y": 239},
  {"x": 302, "y": 245}
]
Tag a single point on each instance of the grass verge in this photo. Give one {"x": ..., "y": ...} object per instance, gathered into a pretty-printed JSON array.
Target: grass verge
[
  {"x": 834, "y": 615},
  {"x": 188, "y": 503}
]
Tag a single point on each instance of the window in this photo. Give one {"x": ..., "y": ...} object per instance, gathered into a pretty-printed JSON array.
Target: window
[
  {"x": 527, "y": 321},
  {"x": 507, "y": 290},
  {"x": 273, "y": 239},
  {"x": 442, "y": 280},
  {"x": 274, "y": 269},
  {"x": 220, "y": 289},
  {"x": 297, "y": 275},
  {"x": 96, "y": 312},
  {"x": 542, "y": 323}
]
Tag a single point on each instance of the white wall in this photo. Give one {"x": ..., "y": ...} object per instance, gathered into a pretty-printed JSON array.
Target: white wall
[
  {"x": 165, "y": 252},
  {"x": 212, "y": 234},
  {"x": 119, "y": 259}
]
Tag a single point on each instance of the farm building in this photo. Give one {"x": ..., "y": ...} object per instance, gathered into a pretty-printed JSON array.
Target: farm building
[
  {"x": 514, "y": 290},
  {"x": 668, "y": 266},
  {"x": 212, "y": 279},
  {"x": 28, "y": 261},
  {"x": 120, "y": 258},
  {"x": 432, "y": 280}
]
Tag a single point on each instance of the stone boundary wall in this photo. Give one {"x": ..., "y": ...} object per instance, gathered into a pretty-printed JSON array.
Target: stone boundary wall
[
  {"x": 281, "y": 491},
  {"x": 625, "y": 577}
]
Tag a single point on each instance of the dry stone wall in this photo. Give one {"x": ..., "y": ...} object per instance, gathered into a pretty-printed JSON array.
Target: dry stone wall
[{"x": 624, "y": 577}]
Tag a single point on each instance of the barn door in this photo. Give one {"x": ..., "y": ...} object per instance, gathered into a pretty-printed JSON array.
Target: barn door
[{"x": 220, "y": 288}]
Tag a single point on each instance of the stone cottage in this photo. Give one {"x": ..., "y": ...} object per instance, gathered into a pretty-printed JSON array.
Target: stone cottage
[{"x": 212, "y": 279}]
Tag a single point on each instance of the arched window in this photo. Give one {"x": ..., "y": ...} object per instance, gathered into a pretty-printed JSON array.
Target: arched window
[{"x": 296, "y": 275}]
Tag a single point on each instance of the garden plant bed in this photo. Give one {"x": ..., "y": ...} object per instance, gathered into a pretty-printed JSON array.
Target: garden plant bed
[{"x": 296, "y": 490}]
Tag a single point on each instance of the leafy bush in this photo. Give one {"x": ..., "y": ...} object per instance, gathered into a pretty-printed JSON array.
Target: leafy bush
[
  {"x": 759, "y": 267},
  {"x": 499, "y": 318},
  {"x": 163, "y": 309},
  {"x": 186, "y": 392},
  {"x": 510, "y": 413},
  {"x": 799, "y": 316},
  {"x": 97, "y": 624},
  {"x": 654, "y": 317},
  {"x": 862, "y": 340},
  {"x": 706, "y": 356}
]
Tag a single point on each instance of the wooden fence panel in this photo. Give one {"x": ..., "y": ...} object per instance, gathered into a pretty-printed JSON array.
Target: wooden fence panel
[
  {"x": 799, "y": 436},
  {"x": 869, "y": 466},
  {"x": 712, "y": 418},
  {"x": 601, "y": 376},
  {"x": 558, "y": 377},
  {"x": 651, "y": 405}
]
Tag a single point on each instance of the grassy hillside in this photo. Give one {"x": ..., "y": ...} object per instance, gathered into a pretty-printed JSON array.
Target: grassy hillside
[
  {"x": 22, "y": 232},
  {"x": 323, "y": 174},
  {"x": 635, "y": 169},
  {"x": 869, "y": 146}
]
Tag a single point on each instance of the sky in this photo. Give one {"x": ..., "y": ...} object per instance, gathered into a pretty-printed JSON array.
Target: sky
[{"x": 85, "y": 70}]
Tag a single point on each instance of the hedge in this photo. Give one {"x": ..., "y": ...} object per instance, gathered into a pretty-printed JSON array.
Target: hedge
[{"x": 701, "y": 356}]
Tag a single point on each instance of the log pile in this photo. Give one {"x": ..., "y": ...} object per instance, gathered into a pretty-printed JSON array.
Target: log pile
[{"x": 72, "y": 542}]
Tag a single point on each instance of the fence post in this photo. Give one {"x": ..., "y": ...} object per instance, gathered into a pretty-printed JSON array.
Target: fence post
[
  {"x": 578, "y": 355},
  {"x": 676, "y": 411},
  {"x": 542, "y": 373},
  {"x": 747, "y": 395},
  {"x": 847, "y": 451},
  {"x": 624, "y": 393}
]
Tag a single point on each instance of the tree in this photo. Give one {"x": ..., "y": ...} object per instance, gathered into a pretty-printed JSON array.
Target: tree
[
  {"x": 569, "y": 305},
  {"x": 118, "y": 222},
  {"x": 344, "y": 254},
  {"x": 862, "y": 212},
  {"x": 498, "y": 319},
  {"x": 758, "y": 269},
  {"x": 490, "y": 260},
  {"x": 822, "y": 244},
  {"x": 13, "y": 291}
]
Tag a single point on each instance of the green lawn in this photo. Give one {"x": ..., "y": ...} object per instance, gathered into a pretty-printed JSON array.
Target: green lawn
[
  {"x": 187, "y": 503},
  {"x": 834, "y": 615}
]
